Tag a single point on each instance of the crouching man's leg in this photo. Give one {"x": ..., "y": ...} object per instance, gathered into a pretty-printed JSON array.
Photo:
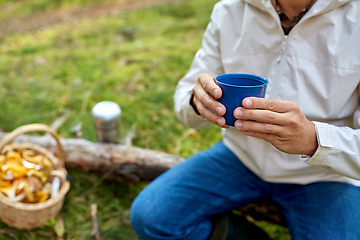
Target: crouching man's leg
[
  {"x": 322, "y": 210},
  {"x": 180, "y": 203}
]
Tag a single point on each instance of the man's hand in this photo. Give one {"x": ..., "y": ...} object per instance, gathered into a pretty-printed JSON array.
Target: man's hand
[
  {"x": 281, "y": 123},
  {"x": 205, "y": 93}
]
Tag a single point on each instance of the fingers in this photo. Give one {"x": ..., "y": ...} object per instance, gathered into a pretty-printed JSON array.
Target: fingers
[
  {"x": 280, "y": 123},
  {"x": 201, "y": 97},
  {"x": 208, "y": 84},
  {"x": 264, "y": 116},
  {"x": 210, "y": 115},
  {"x": 266, "y": 121},
  {"x": 205, "y": 93},
  {"x": 267, "y": 116},
  {"x": 258, "y": 129},
  {"x": 301, "y": 141},
  {"x": 279, "y": 106}
]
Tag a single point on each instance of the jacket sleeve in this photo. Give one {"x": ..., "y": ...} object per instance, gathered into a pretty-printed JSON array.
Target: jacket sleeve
[
  {"x": 206, "y": 60},
  {"x": 339, "y": 148}
]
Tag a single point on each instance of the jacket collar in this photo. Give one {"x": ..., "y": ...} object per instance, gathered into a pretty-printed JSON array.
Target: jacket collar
[{"x": 319, "y": 7}]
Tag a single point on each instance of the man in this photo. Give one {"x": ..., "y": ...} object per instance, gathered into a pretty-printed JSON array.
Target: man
[{"x": 299, "y": 146}]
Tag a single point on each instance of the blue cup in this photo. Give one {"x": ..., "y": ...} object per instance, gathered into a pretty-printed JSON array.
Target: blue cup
[{"x": 235, "y": 87}]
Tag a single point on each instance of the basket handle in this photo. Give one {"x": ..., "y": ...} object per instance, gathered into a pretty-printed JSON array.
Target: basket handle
[{"x": 31, "y": 128}]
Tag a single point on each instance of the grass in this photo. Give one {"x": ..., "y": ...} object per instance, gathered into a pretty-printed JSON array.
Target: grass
[
  {"x": 74, "y": 66},
  {"x": 135, "y": 59}
]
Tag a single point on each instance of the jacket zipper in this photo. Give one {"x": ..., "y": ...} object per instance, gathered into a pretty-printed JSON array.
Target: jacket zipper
[{"x": 280, "y": 62}]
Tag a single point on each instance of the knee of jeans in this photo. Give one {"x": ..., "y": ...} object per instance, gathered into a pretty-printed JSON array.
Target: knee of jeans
[
  {"x": 143, "y": 218},
  {"x": 137, "y": 217},
  {"x": 149, "y": 221}
]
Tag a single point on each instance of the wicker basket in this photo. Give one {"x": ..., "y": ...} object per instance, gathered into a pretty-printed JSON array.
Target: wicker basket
[{"x": 31, "y": 215}]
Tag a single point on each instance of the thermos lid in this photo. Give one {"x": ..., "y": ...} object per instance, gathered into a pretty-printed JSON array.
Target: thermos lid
[{"x": 106, "y": 112}]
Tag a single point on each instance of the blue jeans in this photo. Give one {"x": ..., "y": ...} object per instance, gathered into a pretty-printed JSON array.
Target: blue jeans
[{"x": 177, "y": 205}]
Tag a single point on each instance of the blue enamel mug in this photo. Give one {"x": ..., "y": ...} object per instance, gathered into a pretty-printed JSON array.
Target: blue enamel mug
[{"x": 235, "y": 87}]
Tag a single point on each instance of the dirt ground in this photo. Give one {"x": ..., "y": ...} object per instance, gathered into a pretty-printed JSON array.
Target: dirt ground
[{"x": 45, "y": 19}]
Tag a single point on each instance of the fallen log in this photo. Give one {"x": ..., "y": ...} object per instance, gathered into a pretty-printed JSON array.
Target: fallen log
[{"x": 133, "y": 164}]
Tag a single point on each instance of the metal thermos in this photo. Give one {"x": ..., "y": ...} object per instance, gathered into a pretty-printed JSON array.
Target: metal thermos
[{"x": 107, "y": 121}]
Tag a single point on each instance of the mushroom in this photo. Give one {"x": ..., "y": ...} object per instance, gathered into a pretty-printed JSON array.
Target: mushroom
[
  {"x": 23, "y": 184},
  {"x": 39, "y": 174},
  {"x": 47, "y": 188},
  {"x": 13, "y": 155},
  {"x": 41, "y": 196},
  {"x": 55, "y": 186},
  {"x": 34, "y": 184},
  {"x": 30, "y": 165},
  {"x": 7, "y": 175},
  {"x": 10, "y": 192}
]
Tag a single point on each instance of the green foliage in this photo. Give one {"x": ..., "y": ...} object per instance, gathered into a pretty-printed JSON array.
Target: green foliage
[
  {"x": 274, "y": 231},
  {"x": 135, "y": 59},
  {"x": 178, "y": 10},
  {"x": 50, "y": 223},
  {"x": 113, "y": 199}
]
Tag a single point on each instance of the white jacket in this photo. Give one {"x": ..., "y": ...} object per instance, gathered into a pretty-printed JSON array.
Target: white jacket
[{"x": 316, "y": 66}]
